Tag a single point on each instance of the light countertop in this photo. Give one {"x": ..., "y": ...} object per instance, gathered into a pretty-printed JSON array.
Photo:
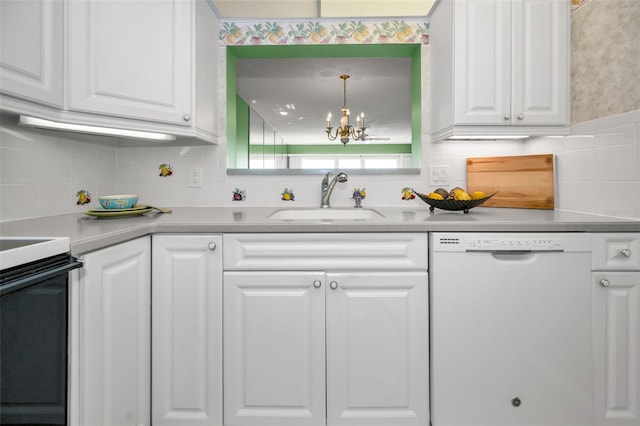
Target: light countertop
[{"x": 89, "y": 233}]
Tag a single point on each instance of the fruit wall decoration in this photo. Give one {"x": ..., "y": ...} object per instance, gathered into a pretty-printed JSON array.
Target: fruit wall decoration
[
  {"x": 287, "y": 195},
  {"x": 407, "y": 193},
  {"x": 165, "y": 170},
  {"x": 239, "y": 194},
  {"x": 83, "y": 197}
]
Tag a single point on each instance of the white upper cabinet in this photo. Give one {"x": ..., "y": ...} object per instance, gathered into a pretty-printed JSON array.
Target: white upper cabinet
[
  {"x": 139, "y": 65},
  {"x": 155, "y": 61},
  {"x": 131, "y": 59},
  {"x": 31, "y": 38},
  {"x": 499, "y": 67}
]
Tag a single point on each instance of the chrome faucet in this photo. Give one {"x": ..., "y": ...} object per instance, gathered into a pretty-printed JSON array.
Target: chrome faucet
[{"x": 327, "y": 187}]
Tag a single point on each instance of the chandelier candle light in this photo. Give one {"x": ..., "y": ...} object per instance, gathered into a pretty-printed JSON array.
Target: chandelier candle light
[{"x": 345, "y": 130}]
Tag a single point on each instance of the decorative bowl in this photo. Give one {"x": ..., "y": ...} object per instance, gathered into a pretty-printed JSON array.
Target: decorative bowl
[
  {"x": 452, "y": 205},
  {"x": 110, "y": 202}
]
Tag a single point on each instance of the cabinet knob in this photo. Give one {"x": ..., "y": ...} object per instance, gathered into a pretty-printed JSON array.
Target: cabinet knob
[
  {"x": 212, "y": 245},
  {"x": 186, "y": 117},
  {"x": 317, "y": 283},
  {"x": 507, "y": 116},
  {"x": 604, "y": 282},
  {"x": 516, "y": 402},
  {"x": 626, "y": 252},
  {"x": 520, "y": 116},
  {"x": 333, "y": 285}
]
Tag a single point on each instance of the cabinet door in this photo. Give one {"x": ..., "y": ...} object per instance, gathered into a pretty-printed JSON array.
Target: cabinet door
[
  {"x": 131, "y": 59},
  {"x": 616, "y": 339},
  {"x": 377, "y": 349},
  {"x": 274, "y": 354},
  {"x": 482, "y": 58},
  {"x": 31, "y": 34},
  {"x": 187, "y": 330},
  {"x": 114, "y": 336},
  {"x": 540, "y": 80}
]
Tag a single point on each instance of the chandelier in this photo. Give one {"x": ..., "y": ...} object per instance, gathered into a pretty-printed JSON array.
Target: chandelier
[{"x": 345, "y": 130}]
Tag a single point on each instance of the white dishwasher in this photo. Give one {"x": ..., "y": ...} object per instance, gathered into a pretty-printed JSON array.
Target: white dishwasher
[{"x": 510, "y": 329}]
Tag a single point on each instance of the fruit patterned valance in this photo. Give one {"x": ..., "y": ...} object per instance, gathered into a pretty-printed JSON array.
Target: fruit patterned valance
[{"x": 324, "y": 32}]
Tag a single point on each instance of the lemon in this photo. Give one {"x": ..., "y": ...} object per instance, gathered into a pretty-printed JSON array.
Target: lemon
[
  {"x": 435, "y": 196},
  {"x": 461, "y": 196},
  {"x": 478, "y": 195}
]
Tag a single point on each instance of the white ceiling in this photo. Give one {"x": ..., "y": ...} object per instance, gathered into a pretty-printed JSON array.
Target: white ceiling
[
  {"x": 280, "y": 9},
  {"x": 308, "y": 89}
]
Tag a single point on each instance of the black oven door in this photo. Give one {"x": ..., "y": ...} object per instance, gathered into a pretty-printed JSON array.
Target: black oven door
[{"x": 33, "y": 342}]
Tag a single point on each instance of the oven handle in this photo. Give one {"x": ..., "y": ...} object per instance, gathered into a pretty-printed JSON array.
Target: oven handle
[{"x": 30, "y": 280}]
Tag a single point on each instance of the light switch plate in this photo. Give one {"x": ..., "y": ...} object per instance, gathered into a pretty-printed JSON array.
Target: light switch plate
[
  {"x": 439, "y": 175},
  {"x": 195, "y": 177}
]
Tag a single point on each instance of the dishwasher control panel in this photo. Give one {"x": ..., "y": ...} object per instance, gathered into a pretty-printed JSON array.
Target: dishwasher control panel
[
  {"x": 497, "y": 244},
  {"x": 459, "y": 242}
]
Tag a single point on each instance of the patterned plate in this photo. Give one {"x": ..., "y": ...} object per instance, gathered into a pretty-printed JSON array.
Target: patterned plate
[{"x": 134, "y": 211}]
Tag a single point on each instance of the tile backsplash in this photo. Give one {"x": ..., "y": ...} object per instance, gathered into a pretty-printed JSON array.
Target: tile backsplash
[
  {"x": 597, "y": 171},
  {"x": 598, "y": 166},
  {"x": 41, "y": 172}
]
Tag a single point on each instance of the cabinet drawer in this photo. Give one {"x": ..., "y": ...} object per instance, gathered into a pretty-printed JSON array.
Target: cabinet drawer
[
  {"x": 618, "y": 251},
  {"x": 325, "y": 251}
]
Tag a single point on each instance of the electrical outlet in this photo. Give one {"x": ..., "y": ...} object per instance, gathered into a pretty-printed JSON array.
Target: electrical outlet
[
  {"x": 195, "y": 177},
  {"x": 439, "y": 175}
]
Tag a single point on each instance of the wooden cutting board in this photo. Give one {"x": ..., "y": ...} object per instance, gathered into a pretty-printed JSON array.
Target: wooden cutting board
[{"x": 522, "y": 181}]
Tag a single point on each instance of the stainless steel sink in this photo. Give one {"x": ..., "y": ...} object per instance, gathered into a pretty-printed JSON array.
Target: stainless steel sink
[{"x": 329, "y": 214}]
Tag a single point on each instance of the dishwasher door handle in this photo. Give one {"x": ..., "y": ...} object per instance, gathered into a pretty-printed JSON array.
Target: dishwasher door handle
[{"x": 513, "y": 255}]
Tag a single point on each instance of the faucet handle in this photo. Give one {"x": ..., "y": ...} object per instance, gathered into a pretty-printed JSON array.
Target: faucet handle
[{"x": 325, "y": 181}]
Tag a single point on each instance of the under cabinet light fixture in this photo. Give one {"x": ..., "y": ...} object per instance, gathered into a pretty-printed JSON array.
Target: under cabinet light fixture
[
  {"x": 28, "y": 121},
  {"x": 487, "y": 137}
]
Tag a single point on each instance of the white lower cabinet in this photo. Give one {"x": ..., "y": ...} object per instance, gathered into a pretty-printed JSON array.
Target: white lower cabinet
[
  {"x": 616, "y": 326},
  {"x": 616, "y": 329},
  {"x": 110, "y": 337},
  {"x": 341, "y": 345},
  {"x": 377, "y": 348},
  {"x": 187, "y": 330},
  {"x": 274, "y": 343}
]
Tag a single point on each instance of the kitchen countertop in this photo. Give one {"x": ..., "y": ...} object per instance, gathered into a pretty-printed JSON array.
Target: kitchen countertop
[{"x": 89, "y": 233}]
